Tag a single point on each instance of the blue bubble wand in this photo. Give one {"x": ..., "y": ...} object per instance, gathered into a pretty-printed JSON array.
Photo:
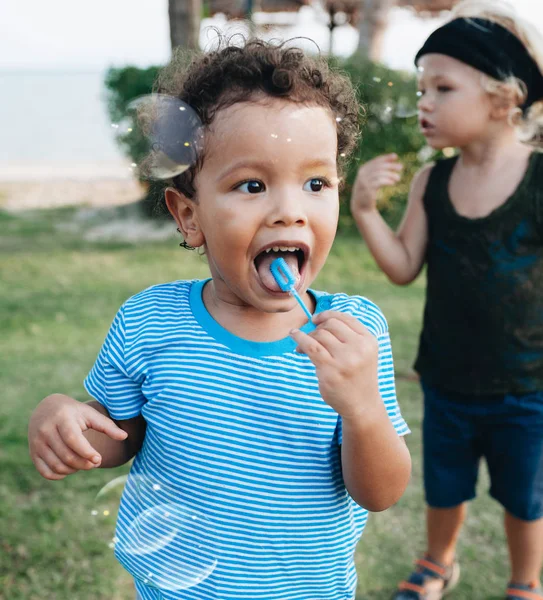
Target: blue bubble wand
[{"x": 286, "y": 281}]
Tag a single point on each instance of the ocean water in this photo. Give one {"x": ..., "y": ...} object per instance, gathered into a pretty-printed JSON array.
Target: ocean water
[
  {"x": 54, "y": 120},
  {"x": 52, "y": 117},
  {"x": 55, "y": 123}
]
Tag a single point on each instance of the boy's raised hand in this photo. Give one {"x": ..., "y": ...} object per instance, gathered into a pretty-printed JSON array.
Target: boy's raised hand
[
  {"x": 345, "y": 355},
  {"x": 371, "y": 177},
  {"x": 55, "y": 436}
]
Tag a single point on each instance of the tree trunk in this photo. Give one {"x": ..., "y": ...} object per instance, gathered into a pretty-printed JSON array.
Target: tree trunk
[
  {"x": 185, "y": 23},
  {"x": 331, "y": 27},
  {"x": 373, "y": 24},
  {"x": 253, "y": 6}
]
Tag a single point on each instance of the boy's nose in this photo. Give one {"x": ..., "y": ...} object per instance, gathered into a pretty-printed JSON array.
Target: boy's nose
[
  {"x": 425, "y": 103},
  {"x": 287, "y": 210}
]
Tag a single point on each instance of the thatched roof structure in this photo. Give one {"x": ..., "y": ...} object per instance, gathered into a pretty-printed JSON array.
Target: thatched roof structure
[
  {"x": 355, "y": 8},
  {"x": 234, "y": 9},
  {"x": 432, "y": 6}
]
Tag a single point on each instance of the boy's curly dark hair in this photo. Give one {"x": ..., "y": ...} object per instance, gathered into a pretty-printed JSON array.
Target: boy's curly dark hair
[{"x": 232, "y": 73}]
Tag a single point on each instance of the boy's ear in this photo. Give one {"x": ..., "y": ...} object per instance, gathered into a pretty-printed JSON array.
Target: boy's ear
[
  {"x": 183, "y": 211},
  {"x": 501, "y": 107}
]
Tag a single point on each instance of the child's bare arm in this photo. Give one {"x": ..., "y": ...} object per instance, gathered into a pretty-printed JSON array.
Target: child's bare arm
[
  {"x": 116, "y": 452},
  {"x": 375, "y": 460},
  {"x": 66, "y": 436},
  {"x": 399, "y": 254}
]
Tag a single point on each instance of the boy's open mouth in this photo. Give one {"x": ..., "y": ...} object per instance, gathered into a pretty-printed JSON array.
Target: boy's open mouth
[
  {"x": 425, "y": 125},
  {"x": 294, "y": 255}
]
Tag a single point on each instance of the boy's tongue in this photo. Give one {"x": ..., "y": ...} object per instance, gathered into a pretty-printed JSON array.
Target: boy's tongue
[{"x": 265, "y": 273}]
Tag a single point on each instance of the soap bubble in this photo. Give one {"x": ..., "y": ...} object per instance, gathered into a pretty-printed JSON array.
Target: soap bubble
[
  {"x": 166, "y": 133},
  {"x": 169, "y": 546},
  {"x": 105, "y": 508},
  {"x": 406, "y": 107},
  {"x": 161, "y": 541},
  {"x": 384, "y": 112},
  {"x": 425, "y": 153}
]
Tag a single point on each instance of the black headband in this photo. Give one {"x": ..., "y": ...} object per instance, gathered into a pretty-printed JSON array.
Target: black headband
[{"x": 490, "y": 48}]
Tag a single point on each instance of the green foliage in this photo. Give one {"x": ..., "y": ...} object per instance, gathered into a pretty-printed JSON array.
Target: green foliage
[
  {"x": 390, "y": 125},
  {"x": 124, "y": 85}
]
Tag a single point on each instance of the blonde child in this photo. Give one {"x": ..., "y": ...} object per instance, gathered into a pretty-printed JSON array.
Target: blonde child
[
  {"x": 476, "y": 221},
  {"x": 281, "y": 433}
]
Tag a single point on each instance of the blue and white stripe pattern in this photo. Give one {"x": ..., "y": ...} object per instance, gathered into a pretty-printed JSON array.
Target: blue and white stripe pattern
[{"x": 240, "y": 441}]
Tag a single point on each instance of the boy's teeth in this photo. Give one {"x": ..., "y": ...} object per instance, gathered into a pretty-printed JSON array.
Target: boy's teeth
[
  {"x": 264, "y": 260},
  {"x": 282, "y": 249}
]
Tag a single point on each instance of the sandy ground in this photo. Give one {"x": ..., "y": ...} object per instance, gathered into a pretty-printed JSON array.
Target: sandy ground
[
  {"x": 24, "y": 186},
  {"x": 91, "y": 188}
]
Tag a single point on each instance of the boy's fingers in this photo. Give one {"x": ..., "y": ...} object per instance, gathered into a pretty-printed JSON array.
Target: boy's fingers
[
  {"x": 391, "y": 170},
  {"x": 45, "y": 471},
  {"x": 384, "y": 172},
  {"x": 352, "y": 322},
  {"x": 389, "y": 158},
  {"x": 317, "y": 353},
  {"x": 374, "y": 163},
  {"x": 100, "y": 422},
  {"x": 390, "y": 165},
  {"x": 73, "y": 438},
  {"x": 69, "y": 457},
  {"x": 340, "y": 330},
  {"x": 386, "y": 179},
  {"x": 327, "y": 339},
  {"x": 54, "y": 463}
]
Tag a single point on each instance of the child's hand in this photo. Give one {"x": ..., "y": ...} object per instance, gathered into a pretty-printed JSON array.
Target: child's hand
[
  {"x": 345, "y": 354},
  {"x": 371, "y": 177},
  {"x": 55, "y": 436}
]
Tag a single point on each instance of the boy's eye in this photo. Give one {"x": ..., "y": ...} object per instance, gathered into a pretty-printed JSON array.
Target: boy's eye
[
  {"x": 443, "y": 88},
  {"x": 314, "y": 185},
  {"x": 253, "y": 186}
]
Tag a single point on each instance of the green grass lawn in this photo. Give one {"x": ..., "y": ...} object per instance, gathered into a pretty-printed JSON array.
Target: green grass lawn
[{"x": 58, "y": 295}]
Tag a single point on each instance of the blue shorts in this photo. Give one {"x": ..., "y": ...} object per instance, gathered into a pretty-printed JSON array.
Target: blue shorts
[{"x": 459, "y": 430}]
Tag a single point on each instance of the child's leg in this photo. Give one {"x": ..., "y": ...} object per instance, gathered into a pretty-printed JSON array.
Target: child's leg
[
  {"x": 525, "y": 541},
  {"x": 451, "y": 464},
  {"x": 437, "y": 572},
  {"x": 443, "y": 528},
  {"x": 514, "y": 452}
]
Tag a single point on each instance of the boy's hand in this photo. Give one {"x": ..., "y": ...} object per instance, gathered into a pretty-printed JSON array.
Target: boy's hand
[
  {"x": 345, "y": 355},
  {"x": 55, "y": 436},
  {"x": 371, "y": 177}
]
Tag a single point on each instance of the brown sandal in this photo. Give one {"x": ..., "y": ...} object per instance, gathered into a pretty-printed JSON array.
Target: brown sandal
[{"x": 420, "y": 585}]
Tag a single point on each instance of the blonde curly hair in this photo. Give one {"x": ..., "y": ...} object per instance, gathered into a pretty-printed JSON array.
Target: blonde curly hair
[{"x": 530, "y": 122}]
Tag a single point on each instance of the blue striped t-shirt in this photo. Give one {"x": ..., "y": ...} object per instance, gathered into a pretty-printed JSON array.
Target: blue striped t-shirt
[{"x": 237, "y": 492}]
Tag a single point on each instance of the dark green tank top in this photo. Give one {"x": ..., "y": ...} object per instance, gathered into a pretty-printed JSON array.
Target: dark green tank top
[{"x": 483, "y": 318}]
